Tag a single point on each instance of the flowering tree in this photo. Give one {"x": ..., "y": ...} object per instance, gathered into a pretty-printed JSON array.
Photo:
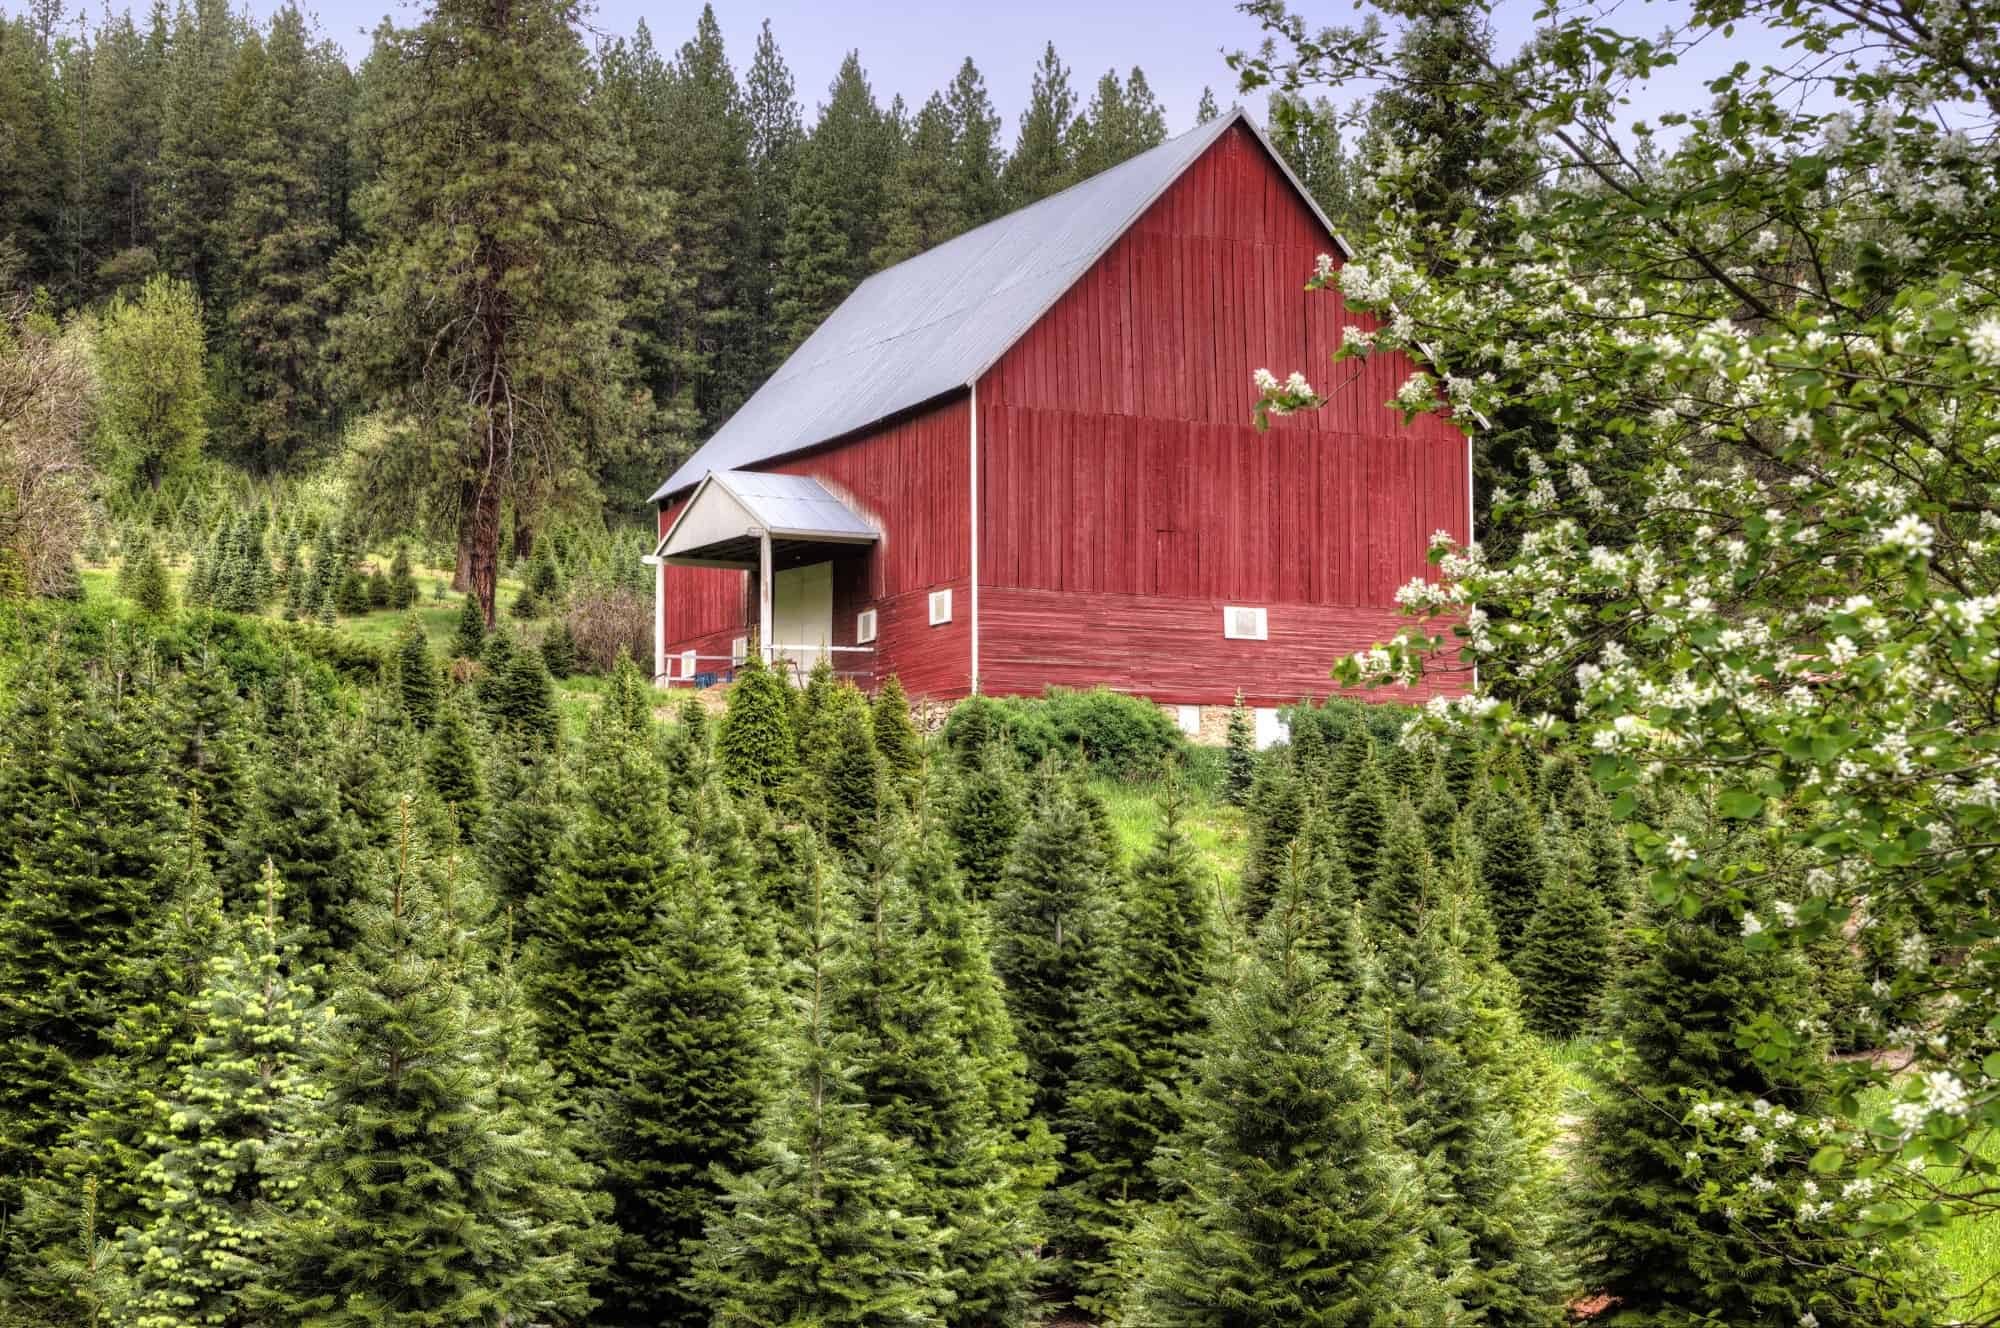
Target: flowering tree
[{"x": 1757, "y": 557}]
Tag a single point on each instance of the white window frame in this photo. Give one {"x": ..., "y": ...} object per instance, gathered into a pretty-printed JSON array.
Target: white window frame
[
  {"x": 739, "y": 651},
  {"x": 1263, "y": 629},
  {"x": 937, "y": 598},
  {"x": 865, "y": 623},
  {"x": 689, "y": 665}
]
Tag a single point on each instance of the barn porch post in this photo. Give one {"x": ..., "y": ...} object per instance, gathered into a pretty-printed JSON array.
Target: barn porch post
[{"x": 764, "y": 575}]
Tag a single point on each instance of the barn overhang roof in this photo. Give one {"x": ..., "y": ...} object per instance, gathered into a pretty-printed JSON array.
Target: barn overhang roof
[
  {"x": 934, "y": 324},
  {"x": 732, "y": 511}
]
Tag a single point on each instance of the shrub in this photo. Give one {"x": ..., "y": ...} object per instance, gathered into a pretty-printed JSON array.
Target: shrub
[
  {"x": 1127, "y": 737},
  {"x": 609, "y": 619},
  {"x": 559, "y": 651}
]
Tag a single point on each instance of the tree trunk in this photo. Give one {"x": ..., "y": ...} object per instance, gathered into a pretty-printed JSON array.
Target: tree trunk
[
  {"x": 461, "y": 575},
  {"x": 483, "y": 525},
  {"x": 524, "y": 535}
]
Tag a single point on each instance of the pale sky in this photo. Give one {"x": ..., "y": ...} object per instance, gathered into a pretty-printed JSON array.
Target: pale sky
[{"x": 915, "y": 48}]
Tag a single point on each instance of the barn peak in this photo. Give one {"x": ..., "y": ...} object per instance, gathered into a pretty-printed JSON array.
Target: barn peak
[{"x": 934, "y": 323}]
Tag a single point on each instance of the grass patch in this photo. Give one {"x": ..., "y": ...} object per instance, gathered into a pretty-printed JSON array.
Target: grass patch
[
  {"x": 1214, "y": 827},
  {"x": 1968, "y": 1247}
]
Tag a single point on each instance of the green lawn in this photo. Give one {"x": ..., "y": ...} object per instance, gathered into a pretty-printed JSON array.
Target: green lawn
[{"x": 1214, "y": 827}]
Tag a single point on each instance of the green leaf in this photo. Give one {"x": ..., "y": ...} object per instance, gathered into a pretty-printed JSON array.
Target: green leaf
[{"x": 1740, "y": 804}]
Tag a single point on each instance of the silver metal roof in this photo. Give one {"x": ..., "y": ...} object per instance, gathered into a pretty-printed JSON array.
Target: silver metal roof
[
  {"x": 936, "y": 322},
  {"x": 794, "y": 505}
]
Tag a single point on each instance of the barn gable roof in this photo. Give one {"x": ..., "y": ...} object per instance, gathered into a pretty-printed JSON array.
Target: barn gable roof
[{"x": 934, "y": 323}]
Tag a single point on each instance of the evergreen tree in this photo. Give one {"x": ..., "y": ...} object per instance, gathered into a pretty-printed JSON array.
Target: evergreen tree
[
  {"x": 282, "y": 237},
  {"x": 418, "y": 683},
  {"x": 1287, "y": 1202},
  {"x": 1140, "y": 1029},
  {"x": 1047, "y": 920},
  {"x": 1488, "y": 1237},
  {"x": 1121, "y": 121},
  {"x": 851, "y": 786},
  {"x": 435, "y": 1201},
  {"x": 689, "y": 1085},
  {"x": 1240, "y": 772},
  {"x": 451, "y": 769},
  {"x": 402, "y": 580},
  {"x": 1042, "y": 157},
  {"x": 218, "y": 1171},
  {"x": 776, "y": 135},
  {"x": 1403, "y": 884},
  {"x": 1205, "y": 110},
  {"x": 1276, "y": 810},
  {"x": 921, "y": 1075},
  {"x": 469, "y": 638},
  {"x": 84, "y": 833},
  {"x": 1364, "y": 817},
  {"x": 923, "y": 206},
  {"x": 1307, "y": 135},
  {"x": 558, "y": 649},
  {"x": 1650, "y": 1236},
  {"x": 828, "y": 1228},
  {"x": 896, "y": 739},
  {"x": 1512, "y": 868},
  {"x": 754, "y": 751},
  {"x": 524, "y": 700},
  {"x": 519, "y": 836},
  {"x": 598, "y": 917},
  {"x": 1565, "y": 957},
  {"x": 498, "y": 182},
  {"x": 976, "y": 152},
  {"x": 151, "y": 591},
  {"x": 294, "y": 821},
  {"x": 629, "y": 699}
]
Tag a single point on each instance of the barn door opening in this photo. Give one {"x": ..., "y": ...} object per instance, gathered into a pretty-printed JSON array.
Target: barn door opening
[{"x": 801, "y": 617}]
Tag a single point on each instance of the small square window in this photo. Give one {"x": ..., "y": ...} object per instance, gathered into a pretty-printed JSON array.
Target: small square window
[
  {"x": 687, "y": 664},
  {"x": 739, "y": 650},
  {"x": 864, "y": 627},
  {"x": 940, "y": 607},
  {"x": 1242, "y": 623}
]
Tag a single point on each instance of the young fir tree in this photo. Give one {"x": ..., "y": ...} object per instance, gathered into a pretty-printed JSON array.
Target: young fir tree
[
  {"x": 922, "y": 1078},
  {"x": 1286, "y": 1201},
  {"x": 1240, "y": 772},
  {"x": 896, "y": 740},
  {"x": 208, "y": 728},
  {"x": 1512, "y": 867},
  {"x": 828, "y": 1228},
  {"x": 1651, "y": 1237},
  {"x": 754, "y": 750},
  {"x": 1364, "y": 819},
  {"x": 451, "y": 769},
  {"x": 218, "y": 1173},
  {"x": 558, "y": 649},
  {"x": 851, "y": 785},
  {"x": 1140, "y": 1029},
  {"x": 54, "y": 1275},
  {"x": 628, "y": 697},
  {"x": 1404, "y": 881},
  {"x": 151, "y": 591},
  {"x": 402, "y": 581},
  {"x": 434, "y": 1197},
  {"x": 1276, "y": 810},
  {"x": 689, "y": 1083},
  {"x": 1047, "y": 918},
  {"x": 468, "y": 639},
  {"x": 86, "y": 825},
  {"x": 1437, "y": 812},
  {"x": 295, "y": 822},
  {"x": 984, "y": 817},
  {"x": 524, "y": 701},
  {"x": 1565, "y": 957},
  {"x": 521, "y": 832},
  {"x": 599, "y": 916},
  {"x": 418, "y": 682},
  {"x": 1488, "y": 1237}
]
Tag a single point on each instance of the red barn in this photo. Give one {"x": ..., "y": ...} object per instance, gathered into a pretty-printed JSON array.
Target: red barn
[{"x": 1026, "y": 458}]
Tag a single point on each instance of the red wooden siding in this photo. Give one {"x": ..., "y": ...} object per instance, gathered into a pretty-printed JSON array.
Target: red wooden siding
[
  {"x": 1117, "y": 460},
  {"x": 1173, "y": 650},
  {"x": 911, "y": 478}
]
